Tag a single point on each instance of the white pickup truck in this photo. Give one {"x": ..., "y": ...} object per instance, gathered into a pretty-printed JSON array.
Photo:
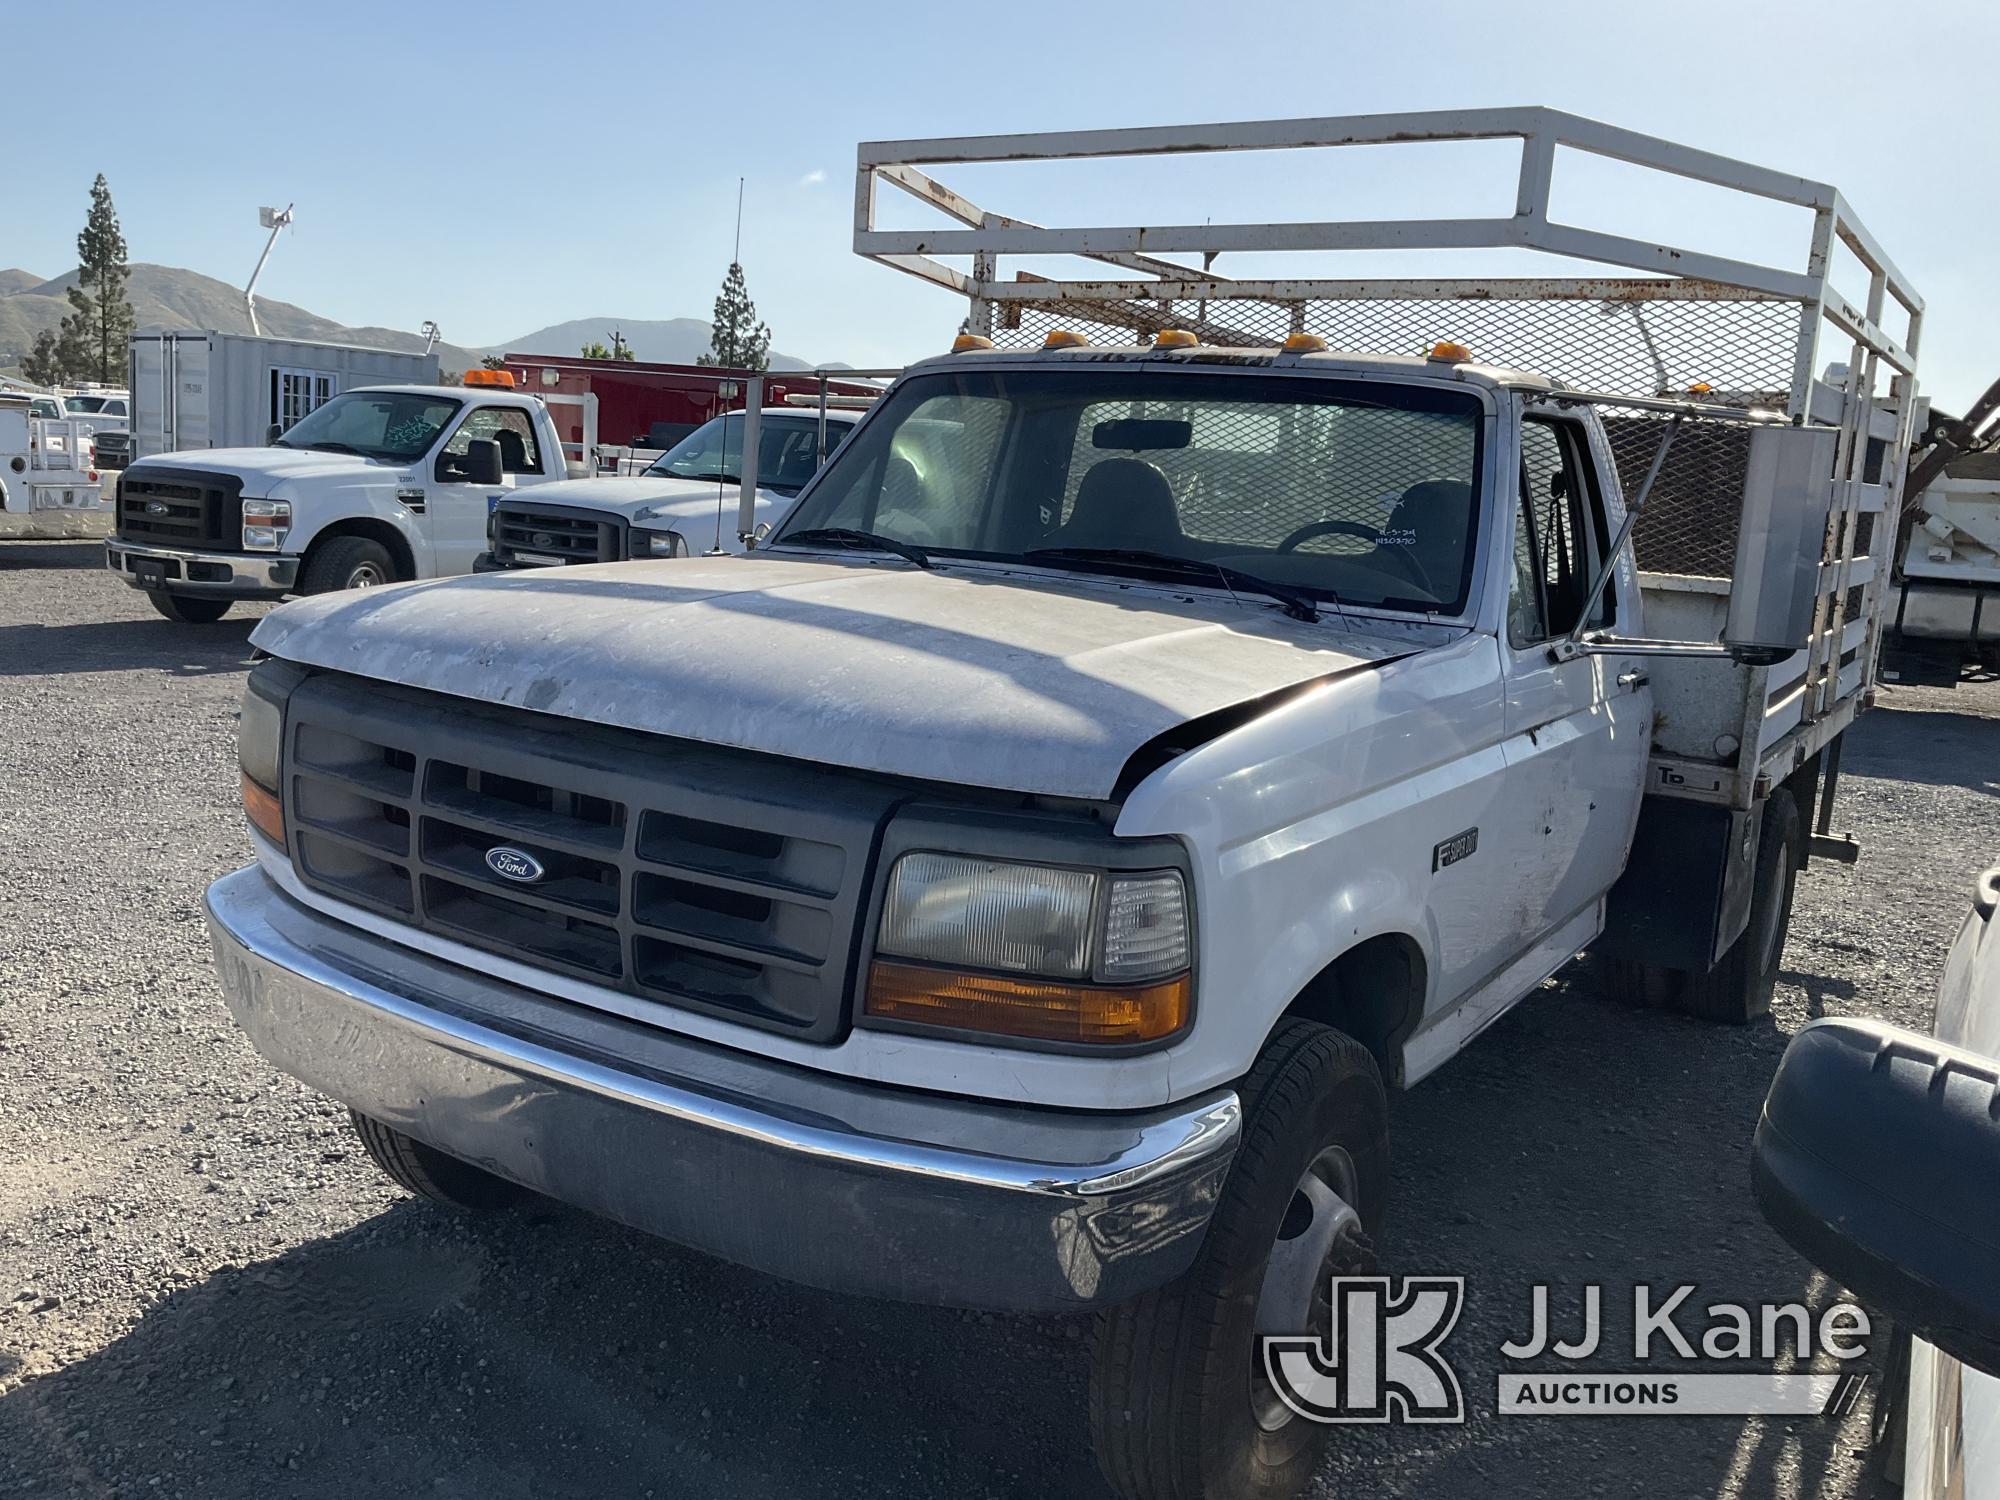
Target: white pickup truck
[
  {"x": 1016, "y": 883},
  {"x": 686, "y": 501},
  {"x": 374, "y": 486}
]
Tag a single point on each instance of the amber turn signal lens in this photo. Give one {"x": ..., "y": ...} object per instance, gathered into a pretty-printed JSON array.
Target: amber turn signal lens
[
  {"x": 1048, "y": 1010},
  {"x": 265, "y": 811}
]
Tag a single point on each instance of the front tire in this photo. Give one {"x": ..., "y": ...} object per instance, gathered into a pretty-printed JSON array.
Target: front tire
[
  {"x": 1179, "y": 1409},
  {"x": 431, "y": 1173},
  {"x": 189, "y": 609},
  {"x": 346, "y": 562}
]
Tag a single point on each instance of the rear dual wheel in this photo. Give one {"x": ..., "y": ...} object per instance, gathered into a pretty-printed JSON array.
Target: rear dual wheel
[
  {"x": 1180, "y": 1407},
  {"x": 1738, "y": 989}
]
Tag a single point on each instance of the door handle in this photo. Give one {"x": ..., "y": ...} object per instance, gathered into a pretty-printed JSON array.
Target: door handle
[{"x": 1633, "y": 681}]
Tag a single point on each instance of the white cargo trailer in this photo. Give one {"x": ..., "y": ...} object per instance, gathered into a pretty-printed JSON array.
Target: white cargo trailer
[{"x": 227, "y": 390}]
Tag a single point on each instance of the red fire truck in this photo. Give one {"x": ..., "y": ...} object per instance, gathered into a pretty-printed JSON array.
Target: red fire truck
[{"x": 645, "y": 407}]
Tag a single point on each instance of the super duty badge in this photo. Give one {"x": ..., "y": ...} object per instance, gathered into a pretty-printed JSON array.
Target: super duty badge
[{"x": 1455, "y": 848}]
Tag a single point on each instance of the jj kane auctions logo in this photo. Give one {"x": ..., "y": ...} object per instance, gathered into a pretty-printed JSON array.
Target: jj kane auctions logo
[{"x": 1383, "y": 1358}]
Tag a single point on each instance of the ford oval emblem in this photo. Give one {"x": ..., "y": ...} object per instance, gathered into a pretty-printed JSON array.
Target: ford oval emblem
[
  {"x": 156, "y": 508},
  {"x": 514, "y": 864},
  {"x": 544, "y": 539}
]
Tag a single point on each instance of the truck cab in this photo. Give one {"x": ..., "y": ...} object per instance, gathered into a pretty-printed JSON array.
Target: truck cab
[
  {"x": 686, "y": 501},
  {"x": 373, "y": 486}
]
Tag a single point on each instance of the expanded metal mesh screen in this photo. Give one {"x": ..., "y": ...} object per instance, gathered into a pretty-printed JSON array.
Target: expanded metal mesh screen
[
  {"x": 1742, "y": 351},
  {"x": 1255, "y": 474}
]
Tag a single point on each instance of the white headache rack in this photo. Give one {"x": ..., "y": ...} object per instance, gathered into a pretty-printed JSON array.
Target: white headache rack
[{"x": 1645, "y": 327}]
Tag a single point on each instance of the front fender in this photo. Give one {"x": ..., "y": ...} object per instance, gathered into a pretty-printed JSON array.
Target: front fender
[
  {"x": 1313, "y": 830},
  {"x": 317, "y": 509}
]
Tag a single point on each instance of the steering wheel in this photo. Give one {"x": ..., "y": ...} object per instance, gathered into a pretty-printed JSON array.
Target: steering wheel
[
  {"x": 1306, "y": 533},
  {"x": 1405, "y": 559}
]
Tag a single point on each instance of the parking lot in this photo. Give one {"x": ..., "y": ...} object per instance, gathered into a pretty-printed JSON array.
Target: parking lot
[{"x": 207, "y": 1290}]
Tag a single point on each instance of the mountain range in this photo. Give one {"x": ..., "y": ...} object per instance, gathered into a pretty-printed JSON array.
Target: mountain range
[{"x": 170, "y": 297}]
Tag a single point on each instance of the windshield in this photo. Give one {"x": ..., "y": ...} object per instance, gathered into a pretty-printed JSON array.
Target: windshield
[
  {"x": 393, "y": 426},
  {"x": 1360, "y": 491},
  {"x": 77, "y": 405},
  {"x": 787, "y": 451}
]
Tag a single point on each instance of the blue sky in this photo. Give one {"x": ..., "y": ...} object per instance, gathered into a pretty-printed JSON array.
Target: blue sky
[{"x": 504, "y": 165}]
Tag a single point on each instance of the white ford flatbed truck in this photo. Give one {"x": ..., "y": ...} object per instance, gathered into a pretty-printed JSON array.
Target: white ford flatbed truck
[
  {"x": 1015, "y": 883},
  {"x": 376, "y": 485}
]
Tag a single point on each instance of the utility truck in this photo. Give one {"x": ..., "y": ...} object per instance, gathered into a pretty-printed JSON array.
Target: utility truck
[
  {"x": 372, "y": 486},
  {"x": 49, "y": 484},
  {"x": 1016, "y": 882},
  {"x": 686, "y": 501}
]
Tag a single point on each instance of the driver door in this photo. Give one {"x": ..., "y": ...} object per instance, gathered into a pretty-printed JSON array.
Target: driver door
[
  {"x": 1578, "y": 731},
  {"x": 458, "y": 509}
]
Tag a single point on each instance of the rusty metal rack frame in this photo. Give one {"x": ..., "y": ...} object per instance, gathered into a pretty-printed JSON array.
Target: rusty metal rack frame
[{"x": 1766, "y": 331}]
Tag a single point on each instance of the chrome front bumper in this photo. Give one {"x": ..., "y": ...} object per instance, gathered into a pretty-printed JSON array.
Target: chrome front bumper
[
  {"x": 238, "y": 575},
  {"x": 809, "y": 1176}
]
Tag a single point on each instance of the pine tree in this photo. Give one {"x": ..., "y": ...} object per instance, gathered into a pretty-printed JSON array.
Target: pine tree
[
  {"x": 737, "y": 341},
  {"x": 595, "y": 350},
  {"x": 96, "y": 332},
  {"x": 43, "y": 364}
]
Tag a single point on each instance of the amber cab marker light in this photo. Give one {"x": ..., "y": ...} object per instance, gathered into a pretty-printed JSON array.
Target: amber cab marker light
[
  {"x": 1176, "y": 338},
  {"x": 1065, "y": 338},
  {"x": 503, "y": 378},
  {"x": 1304, "y": 343},
  {"x": 1449, "y": 349},
  {"x": 265, "y": 811},
  {"x": 1048, "y": 1010},
  {"x": 968, "y": 343}
]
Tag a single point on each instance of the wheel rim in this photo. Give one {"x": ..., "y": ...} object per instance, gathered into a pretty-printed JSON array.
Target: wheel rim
[
  {"x": 1293, "y": 1297},
  {"x": 365, "y": 576}
]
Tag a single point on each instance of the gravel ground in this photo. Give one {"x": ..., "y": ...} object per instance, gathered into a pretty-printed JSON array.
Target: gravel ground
[{"x": 207, "y": 1291}]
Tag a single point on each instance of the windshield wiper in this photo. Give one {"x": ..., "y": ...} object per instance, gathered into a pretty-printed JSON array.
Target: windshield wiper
[
  {"x": 331, "y": 448},
  {"x": 848, "y": 536},
  {"x": 1299, "y": 604},
  {"x": 711, "y": 477}
]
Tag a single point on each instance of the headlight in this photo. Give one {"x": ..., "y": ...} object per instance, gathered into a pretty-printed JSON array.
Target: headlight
[
  {"x": 265, "y": 523},
  {"x": 1037, "y": 951},
  {"x": 657, "y": 544},
  {"x": 260, "y": 731}
]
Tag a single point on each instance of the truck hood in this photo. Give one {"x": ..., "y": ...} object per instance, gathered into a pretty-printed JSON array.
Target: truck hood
[
  {"x": 626, "y": 495},
  {"x": 1015, "y": 681},
  {"x": 262, "y": 468}
]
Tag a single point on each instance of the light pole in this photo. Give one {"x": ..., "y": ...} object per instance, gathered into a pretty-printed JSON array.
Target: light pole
[{"x": 273, "y": 219}]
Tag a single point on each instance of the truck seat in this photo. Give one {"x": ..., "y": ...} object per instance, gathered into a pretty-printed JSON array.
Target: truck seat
[
  {"x": 513, "y": 451},
  {"x": 1123, "y": 502},
  {"x": 1427, "y": 526}
]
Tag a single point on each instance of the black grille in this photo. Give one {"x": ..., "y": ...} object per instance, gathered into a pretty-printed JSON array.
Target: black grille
[
  {"x": 569, "y": 532},
  {"x": 181, "y": 508},
  {"x": 670, "y": 872}
]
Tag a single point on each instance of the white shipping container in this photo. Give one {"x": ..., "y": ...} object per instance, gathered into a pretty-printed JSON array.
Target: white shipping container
[{"x": 225, "y": 390}]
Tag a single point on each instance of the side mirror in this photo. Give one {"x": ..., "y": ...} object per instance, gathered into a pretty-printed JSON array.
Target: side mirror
[
  {"x": 1878, "y": 1159},
  {"x": 272, "y": 433},
  {"x": 480, "y": 465},
  {"x": 1787, "y": 496}
]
